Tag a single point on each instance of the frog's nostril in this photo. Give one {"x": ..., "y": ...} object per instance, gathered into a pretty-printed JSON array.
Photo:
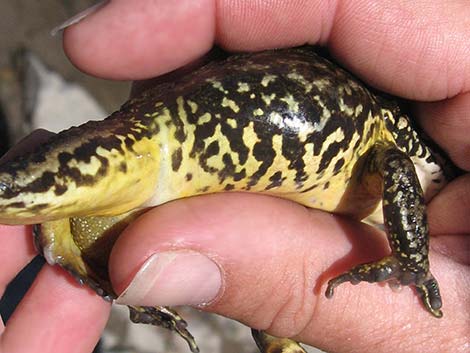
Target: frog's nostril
[{"x": 6, "y": 187}]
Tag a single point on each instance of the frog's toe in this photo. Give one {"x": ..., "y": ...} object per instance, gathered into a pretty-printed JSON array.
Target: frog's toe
[
  {"x": 430, "y": 296},
  {"x": 391, "y": 269},
  {"x": 383, "y": 270},
  {"x": 164, "y": 317},
  {"x": 102, "y": 288}
]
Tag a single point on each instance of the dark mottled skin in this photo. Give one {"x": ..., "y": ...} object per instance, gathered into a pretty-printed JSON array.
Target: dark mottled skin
[
  {"x": 91, "y": 135},
  {"x": 277, "y": 122},
  {"x": 198, "y": 89},
  {"x": 406, "y": 226}
]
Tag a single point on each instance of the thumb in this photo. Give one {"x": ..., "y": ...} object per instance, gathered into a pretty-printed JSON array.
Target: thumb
[{"x": 264, "y": 262}]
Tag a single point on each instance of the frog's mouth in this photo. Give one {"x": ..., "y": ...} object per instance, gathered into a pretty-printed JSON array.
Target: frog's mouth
[{"x": 24, "y": 197}]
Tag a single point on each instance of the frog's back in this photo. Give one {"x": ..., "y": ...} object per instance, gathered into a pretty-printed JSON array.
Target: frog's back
[
  {"x": 292, "y": 125},
  {"x": 288, "y": 123}
]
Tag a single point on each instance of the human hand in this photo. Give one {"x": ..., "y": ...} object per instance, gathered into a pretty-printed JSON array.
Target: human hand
[
  {"x": 274, "y": 254},
  {"x": 55, "y": 315}
]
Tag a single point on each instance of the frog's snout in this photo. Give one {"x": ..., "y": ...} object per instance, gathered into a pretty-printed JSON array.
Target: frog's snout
[{"x": 14, "y": 207}]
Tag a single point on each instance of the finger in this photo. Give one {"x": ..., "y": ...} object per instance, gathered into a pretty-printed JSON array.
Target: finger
[
  {"x": 448, "y": 219},
  {"x": 141, "y": 39},
  {"x": 16, "y": 251},
  {"x": 418, "y": 50},
  {"x": 264, "y": 261},
  {"x": 406, "y": 48},
  {"x": 17, "y": 241},
  {"x": 56, "y": 315},
  {"x": 448, "y": 210},
  {"x": 448, "y": 122}
]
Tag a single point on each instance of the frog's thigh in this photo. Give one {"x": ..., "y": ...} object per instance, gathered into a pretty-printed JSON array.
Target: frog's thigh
[
  {"x": 406, "y": 226},
  {"x": 270, "y": 344},
  {"x": 55, "y": 241}
]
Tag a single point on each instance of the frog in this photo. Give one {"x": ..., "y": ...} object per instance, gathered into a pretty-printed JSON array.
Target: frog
[{"x": 289, "y": 123}]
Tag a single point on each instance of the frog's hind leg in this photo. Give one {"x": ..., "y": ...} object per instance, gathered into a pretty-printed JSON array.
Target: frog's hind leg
[
  {"x": 270, "y": 344},
  {"x": 406, "y": 226},
  {"x": 164, "y": 317}
]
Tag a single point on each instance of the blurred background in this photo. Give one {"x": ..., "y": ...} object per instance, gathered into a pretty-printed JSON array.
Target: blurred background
[{"x": 39, "y": 88}]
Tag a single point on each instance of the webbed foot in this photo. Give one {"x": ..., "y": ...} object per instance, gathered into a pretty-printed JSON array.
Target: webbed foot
[
  {"x": 430, "y": 296},
  {"x": 164, "y": 317},
  {"x": 389, "y": 268}
]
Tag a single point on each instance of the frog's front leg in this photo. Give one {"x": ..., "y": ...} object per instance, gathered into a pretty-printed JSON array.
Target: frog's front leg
[
  {"x": 54, "y": 240},
  {"x": 82, "y": 246},
  {"x": 406, "y": 226}
]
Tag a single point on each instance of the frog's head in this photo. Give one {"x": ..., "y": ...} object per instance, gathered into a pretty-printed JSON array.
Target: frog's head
[
  {"x": 71, "y": 175},
  {"x": 22, "y": 192}
]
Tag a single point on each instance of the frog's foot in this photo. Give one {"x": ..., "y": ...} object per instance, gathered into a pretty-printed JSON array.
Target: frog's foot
[
  {"x": 164, "y": 317},
  {"x": 430, "y": 296},
  {"x": 390, "y": 269},
  {"x": 270, "y": 344}
]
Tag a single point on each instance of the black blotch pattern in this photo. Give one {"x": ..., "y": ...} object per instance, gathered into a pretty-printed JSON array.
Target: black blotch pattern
[
  {"x": 176, "y": 159},
  {"x": 201, "y": 133},
  {"x": 123, "y": 167},
  {"x": 212, "y": 150},
  {"x": 235, "y": 138},
  {"x": 328, "y": 155},
  {"x": 20, "y": 204},
  {"x": 276, "y": 180},
  {"x": 310, "y": 188},
  {"x": 42, "y": 184},
  {"x": 228, "y": 169},
  {"x": 263, "y": 151},
  {"x": 294, "y": 150},
  {"x": 339, "y": 164},
  {"x": 60, "y": 189}
]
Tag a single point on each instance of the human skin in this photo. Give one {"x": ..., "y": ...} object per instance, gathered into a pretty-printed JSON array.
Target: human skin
[{"x": 417, "y": 50}]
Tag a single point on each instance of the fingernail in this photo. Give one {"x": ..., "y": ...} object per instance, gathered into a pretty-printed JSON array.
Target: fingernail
[
  {"x": 174, "y": 278},
  {"x": 78, "y": 17}
]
